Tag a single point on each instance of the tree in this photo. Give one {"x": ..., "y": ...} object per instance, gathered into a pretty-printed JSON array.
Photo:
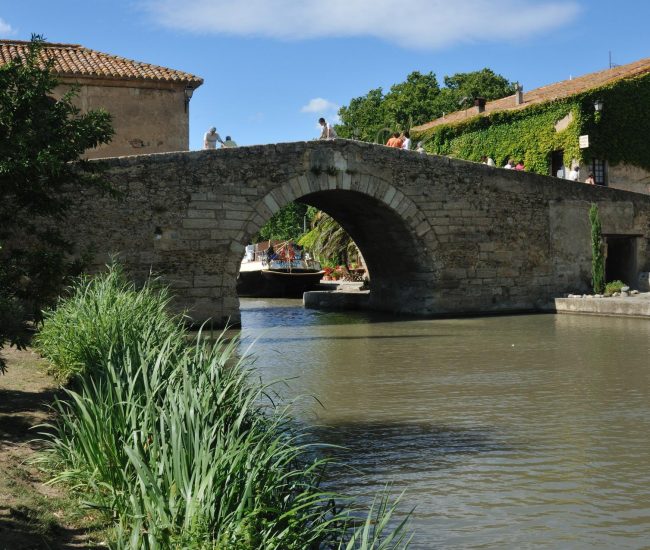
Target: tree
[
  {"x": 415, "y": 101},
  {"x": 40, "y": 136},
  {"x": 287, "y": 224},
  {"x": 412, "y": 102},
  {"x": 462, "y": 88},
  {"x": 329, "y": 242},
  {"x": 597, "y": 256},
  {"x": 364, "y": 118}
]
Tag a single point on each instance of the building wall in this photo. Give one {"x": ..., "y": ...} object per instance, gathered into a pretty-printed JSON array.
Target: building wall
[
  {"x": 629, "y": 178},
  {"x": 147, "y": 118},
  {"x": 617, "y": 134},
  {"x": 439, "y": 236}
]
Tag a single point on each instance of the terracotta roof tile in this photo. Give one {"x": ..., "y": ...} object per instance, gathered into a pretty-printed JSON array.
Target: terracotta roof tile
[
  {"x": 73, "y": 60},
  {"x": 551, "y": 92}
]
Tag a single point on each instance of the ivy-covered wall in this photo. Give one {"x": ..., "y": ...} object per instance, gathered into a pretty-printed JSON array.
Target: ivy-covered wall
[{"x": 620, "y": 133}]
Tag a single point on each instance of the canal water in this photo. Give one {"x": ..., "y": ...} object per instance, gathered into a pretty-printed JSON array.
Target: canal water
[{"x": 504, "y": 432}]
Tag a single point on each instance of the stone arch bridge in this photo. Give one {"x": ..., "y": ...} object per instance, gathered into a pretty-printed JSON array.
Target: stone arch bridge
[{"x": 439, "y": 236}]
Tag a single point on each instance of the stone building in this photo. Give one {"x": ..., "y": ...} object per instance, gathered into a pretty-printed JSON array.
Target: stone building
[
  {"x": 149, "y": 104},
  {"x": 599, "y": 121}
]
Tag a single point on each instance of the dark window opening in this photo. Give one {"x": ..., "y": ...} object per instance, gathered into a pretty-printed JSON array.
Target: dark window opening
[
  {"x": 598, "y": 169},
  {"x": 557, "y": 163},
  {"x": 620, "y": 263}
]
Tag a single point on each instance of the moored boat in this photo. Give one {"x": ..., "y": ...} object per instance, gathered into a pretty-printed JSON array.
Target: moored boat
[{"x": 277, "y": 269}]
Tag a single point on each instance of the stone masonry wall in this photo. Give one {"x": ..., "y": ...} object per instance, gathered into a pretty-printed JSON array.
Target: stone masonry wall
[{"x": 439, "y": 236}]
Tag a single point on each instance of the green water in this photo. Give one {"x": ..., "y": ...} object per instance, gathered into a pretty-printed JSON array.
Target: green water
[{"x": 505, "y": 432}]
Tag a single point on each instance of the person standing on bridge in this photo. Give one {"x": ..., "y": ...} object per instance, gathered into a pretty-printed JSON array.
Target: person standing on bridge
[
  {"x": 211, "y": 138},
  {"x": 326, "y": 132},
  {"x": 228, "y": 143},
  {"x": 394, "y": 141},
  {"x": 406, "y": 141},
  {"x": 574, "y": 174}
]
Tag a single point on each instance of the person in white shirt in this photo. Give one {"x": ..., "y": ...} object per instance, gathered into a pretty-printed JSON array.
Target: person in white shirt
[
  {"x": 327, "y": 132},
  {"x": 574, "y": 174},
  {"x": 228, "y": 143},
  {"x": 211, "y": 138},
  {"x": 509, "y": 165},
  {"x": 406, "y": 141}
]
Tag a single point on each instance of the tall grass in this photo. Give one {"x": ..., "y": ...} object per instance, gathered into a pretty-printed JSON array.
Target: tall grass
[
  {"x": 178, "y": 446},
  {"x": 107, "y": 313}
]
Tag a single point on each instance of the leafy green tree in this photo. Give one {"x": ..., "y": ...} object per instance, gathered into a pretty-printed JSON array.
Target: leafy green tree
[
  {"x": 462, "y": 88},
  {"x": 597, "y": 256},
  {"x": 39, "y": 137},
  {"x": 329, "y": 242},
  {"x": 415, "y": 101},
  {"x": 411, "y": 102},
  {"x": 364, "y": 118},
  {"x": 287, "y": 224}
]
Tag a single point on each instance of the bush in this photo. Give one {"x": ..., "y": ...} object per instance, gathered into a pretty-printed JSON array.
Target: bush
[
  {"x": 103, "y": 315},
  {"x": 176, "y": 444},
  {"x": 614, "y": 286}
]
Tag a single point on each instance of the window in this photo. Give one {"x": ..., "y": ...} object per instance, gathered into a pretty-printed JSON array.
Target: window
[{"x": 599, "y": 172}]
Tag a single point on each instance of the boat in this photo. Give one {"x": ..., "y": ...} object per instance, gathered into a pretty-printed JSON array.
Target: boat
[{"x": 280, "y": 269}]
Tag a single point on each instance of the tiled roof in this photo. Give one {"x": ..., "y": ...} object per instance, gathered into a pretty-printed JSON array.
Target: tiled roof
[
  {"x": 544, "y": 94},
  {"x": 73, "y": 60}
]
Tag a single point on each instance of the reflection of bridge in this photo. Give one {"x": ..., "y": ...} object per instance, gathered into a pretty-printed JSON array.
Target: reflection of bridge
[{"x": 438, "y": 235}]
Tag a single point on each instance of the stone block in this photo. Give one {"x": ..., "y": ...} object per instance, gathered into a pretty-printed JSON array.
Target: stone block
[
  {"x": 643, "y": 281},
  {"x": 201, "y": 214},
  {"x": 199, "y": 224},
  {"x": 204, "y": 281}
]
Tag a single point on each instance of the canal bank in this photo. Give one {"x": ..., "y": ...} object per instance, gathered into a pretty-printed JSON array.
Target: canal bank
[
  {"x": 636, "y": 305},
  {"x": 350, "y": 297}
]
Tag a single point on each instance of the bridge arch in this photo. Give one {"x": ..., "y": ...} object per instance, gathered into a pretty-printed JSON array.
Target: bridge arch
[{"x": 394, "y": 236}]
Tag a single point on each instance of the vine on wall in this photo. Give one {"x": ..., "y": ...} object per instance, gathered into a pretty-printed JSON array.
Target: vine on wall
[{"x": 620, "y": 133}]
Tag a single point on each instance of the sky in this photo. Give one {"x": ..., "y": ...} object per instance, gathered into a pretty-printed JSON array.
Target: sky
[{"x": 273, "y": 67}]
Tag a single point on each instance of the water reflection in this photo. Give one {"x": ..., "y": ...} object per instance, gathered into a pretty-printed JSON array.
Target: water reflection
[{"x": 506, "y": 432}]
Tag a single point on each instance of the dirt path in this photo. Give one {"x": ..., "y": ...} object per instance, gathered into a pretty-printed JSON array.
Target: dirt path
[{"x": 33, "y": 515}]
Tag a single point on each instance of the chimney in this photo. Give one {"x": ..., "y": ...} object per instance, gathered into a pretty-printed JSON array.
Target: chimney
[
  {"x": 479, "y": 103},
  {"x": 519, "y": 94}
]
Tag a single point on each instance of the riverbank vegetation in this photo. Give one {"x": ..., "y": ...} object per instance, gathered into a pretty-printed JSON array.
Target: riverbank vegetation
[
  {"x": 41, "y": 133},
  {"x": 173, "y": 441}
]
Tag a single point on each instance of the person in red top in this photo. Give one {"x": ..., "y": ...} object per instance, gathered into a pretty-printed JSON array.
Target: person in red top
[
  {"x": 395, "y": 141},
  {"x": 520, "y": 166}
]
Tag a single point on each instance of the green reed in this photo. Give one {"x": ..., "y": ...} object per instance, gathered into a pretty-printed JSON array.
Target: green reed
[
  {"x": 176, "y": 443},
  {"x": 106, "y": 313}
]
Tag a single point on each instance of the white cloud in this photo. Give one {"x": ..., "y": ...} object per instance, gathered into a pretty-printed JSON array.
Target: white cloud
[
  {"x": 420, "y": 24},
  {"x": 6, "y": 28},
  {"x": 320, "y": 106}
]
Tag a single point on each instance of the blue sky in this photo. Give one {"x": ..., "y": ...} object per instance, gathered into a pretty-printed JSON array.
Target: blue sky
[{"x": 272, "y": 67}]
